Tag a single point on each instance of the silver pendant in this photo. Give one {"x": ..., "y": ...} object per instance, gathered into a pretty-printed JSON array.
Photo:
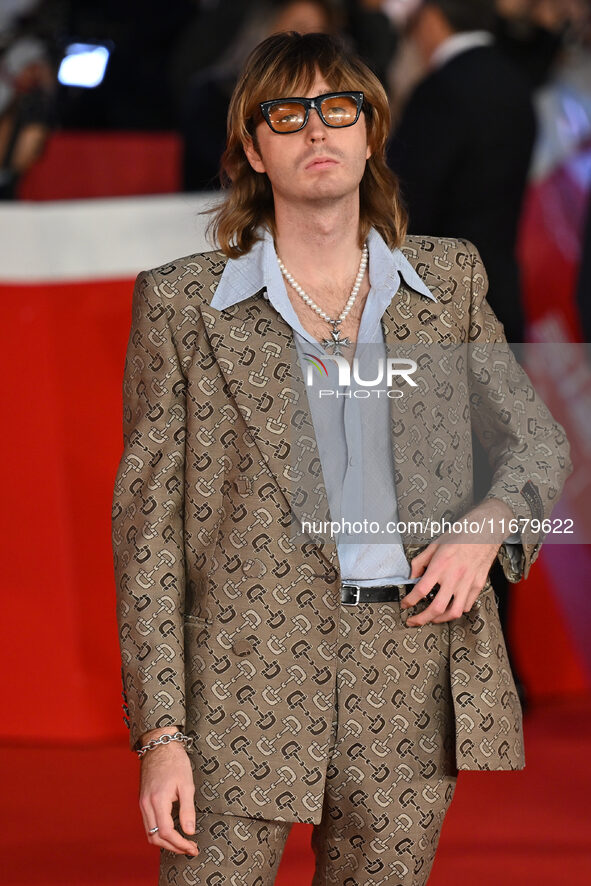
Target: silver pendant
[{"x": 336, "y": 342}]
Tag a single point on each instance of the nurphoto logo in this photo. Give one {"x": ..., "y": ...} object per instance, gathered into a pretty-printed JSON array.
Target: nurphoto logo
[{"x": 387, "y": 370}]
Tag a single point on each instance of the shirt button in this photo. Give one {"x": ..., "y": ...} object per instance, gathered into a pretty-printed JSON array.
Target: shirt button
[{"x": 351, "y": 461}]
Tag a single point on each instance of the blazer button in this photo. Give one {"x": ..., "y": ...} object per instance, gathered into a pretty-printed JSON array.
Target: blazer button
[
  {"x": 253, "y": 567},
  {"x": 241, "y": 647}
]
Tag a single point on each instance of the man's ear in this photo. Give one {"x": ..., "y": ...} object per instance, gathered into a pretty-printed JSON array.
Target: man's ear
[{"x": 253, "y": 156}]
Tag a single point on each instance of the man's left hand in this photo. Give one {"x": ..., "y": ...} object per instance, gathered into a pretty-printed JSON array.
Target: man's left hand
[{"x": 459, "y": 565}]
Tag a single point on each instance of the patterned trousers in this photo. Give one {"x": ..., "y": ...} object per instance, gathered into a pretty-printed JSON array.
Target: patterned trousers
[{"x": 391, "y": 770}]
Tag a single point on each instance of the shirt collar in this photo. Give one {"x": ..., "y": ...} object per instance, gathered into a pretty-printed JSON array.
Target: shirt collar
[
  {"x": 385, "y": 266},
  {"x": 243, "y": 277},
  {"x": 458, "y": 43}
]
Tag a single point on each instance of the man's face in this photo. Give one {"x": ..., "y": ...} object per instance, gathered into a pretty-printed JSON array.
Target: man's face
[{"x": 318, "y": 163}]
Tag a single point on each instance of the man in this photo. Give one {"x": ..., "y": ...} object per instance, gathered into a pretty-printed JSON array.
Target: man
[
  {"x": 317, "y": 685},
  {"x": 463, "y": 144}
]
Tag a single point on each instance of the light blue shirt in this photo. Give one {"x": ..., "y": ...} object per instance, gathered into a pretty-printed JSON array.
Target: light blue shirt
[{"x": 353, "y": 435}]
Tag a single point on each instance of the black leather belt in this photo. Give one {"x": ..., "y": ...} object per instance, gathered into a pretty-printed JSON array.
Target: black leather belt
[{"x": 352, "y": 594}]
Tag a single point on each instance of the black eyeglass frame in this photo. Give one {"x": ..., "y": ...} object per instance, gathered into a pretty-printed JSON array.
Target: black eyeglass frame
[{"x": 308, "y": 104}]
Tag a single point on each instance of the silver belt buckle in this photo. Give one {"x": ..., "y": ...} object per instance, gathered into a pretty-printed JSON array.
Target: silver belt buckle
[{"x": 357, "y": 594}]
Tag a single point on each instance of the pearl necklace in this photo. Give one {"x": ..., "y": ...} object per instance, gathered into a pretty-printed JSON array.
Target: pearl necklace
[{"x": 335, "y": 341}]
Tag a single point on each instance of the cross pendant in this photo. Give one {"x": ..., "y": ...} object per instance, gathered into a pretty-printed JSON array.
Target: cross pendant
[{"x": 336, "y": 342}]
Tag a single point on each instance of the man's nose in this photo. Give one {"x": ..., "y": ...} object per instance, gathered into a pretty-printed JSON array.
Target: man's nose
[{"x": 315, "y": 128}]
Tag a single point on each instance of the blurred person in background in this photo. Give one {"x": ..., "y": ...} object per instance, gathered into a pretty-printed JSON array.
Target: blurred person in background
[
  {"x": 463, "y": 145},
  {"x": 27, "y": 109},
  {"x": 202, "y": 42},
  {"x": 207, "y": 100},
  {"x": 462, "y": 149},
  {"x": 373, "y": 34},
  {"x": 532, "y": 33}
]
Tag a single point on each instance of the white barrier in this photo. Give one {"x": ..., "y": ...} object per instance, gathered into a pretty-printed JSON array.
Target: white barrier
[{"x": 104, "y": 238}]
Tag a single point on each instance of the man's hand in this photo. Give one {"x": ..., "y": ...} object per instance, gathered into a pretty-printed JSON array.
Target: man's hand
[
  {"x": 459, "y": 565},
  {"x": 166, "y": 776}
]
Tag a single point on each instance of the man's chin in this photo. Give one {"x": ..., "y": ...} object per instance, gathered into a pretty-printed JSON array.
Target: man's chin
[
  {"x": 326, "y": 196},
  {"x": 321, "y": 190},
  {"x": 325, "y": 188}
]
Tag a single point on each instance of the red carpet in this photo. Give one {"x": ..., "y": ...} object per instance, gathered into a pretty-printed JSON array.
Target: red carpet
[{"x": 70, "y": 816}]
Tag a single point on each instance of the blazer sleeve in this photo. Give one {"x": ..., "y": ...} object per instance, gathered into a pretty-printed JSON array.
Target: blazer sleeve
[
  {"x": 147, "y": 520},
  {"x": 527, "y": 449}
]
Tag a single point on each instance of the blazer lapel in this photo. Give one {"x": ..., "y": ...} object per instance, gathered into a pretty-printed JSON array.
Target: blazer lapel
[{"x": 256, "y": 352}]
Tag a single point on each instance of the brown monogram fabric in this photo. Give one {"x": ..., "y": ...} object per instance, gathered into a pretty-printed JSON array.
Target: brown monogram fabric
[
  {"x": 228, "y": 611},
  {"x": 390, "y": 776}
]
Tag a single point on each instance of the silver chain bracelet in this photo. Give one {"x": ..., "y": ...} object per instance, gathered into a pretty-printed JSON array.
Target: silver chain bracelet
[{"x": 165, "y": 739}]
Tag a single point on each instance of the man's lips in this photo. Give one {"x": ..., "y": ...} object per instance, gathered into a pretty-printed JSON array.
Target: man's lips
[{"x": 321, "y": 163}]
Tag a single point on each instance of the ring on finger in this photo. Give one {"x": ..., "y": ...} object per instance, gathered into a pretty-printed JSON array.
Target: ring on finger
[{"x": 153, "y": 830}]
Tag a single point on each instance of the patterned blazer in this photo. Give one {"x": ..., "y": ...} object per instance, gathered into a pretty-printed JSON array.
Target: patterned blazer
[{"x": 228, "y": 611}]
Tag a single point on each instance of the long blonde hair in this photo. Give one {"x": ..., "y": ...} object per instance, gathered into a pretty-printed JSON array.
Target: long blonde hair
[{"x": 282, "y": 65}]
